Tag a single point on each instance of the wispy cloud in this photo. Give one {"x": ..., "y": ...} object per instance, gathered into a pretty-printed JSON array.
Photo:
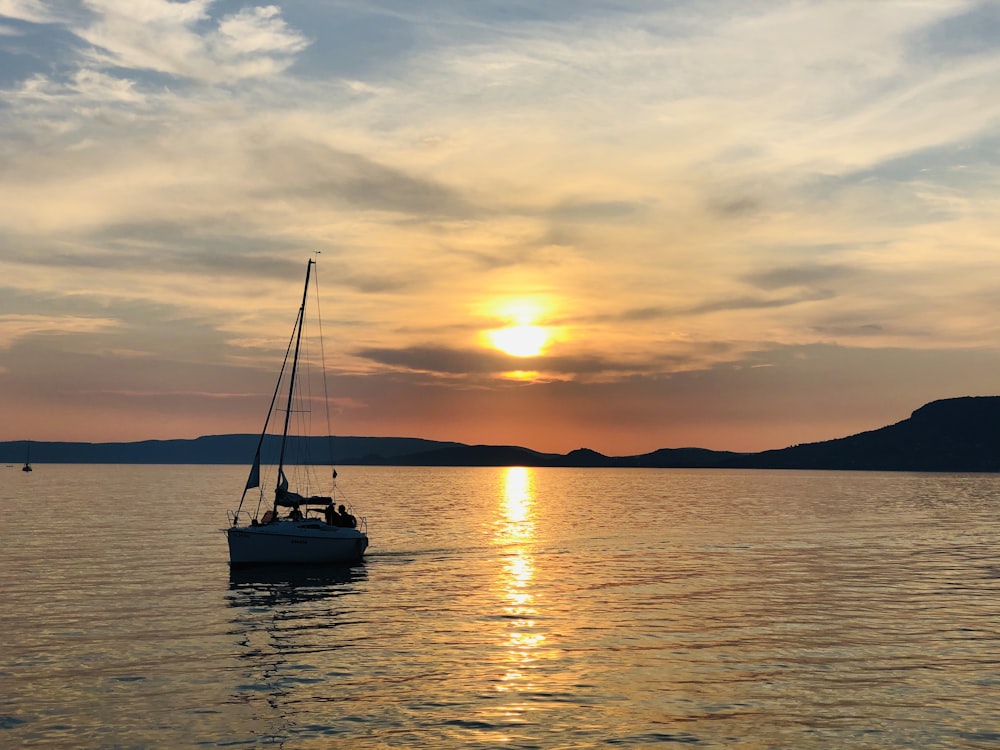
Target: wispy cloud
[
  {"x": 16, "y": 327},
  {"x": 185, "y": 40},
  {"x": 33, "y": 11}
]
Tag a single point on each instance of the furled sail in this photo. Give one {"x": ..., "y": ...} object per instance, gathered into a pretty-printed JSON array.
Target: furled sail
[{"x": 254, "y": 479}]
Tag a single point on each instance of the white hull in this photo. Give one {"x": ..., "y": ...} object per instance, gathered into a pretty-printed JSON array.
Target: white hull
[{"x": 295, "y": 542}]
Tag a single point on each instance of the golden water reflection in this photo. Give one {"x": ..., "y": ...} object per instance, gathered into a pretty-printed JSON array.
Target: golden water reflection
[{"x": 521, "y": 635}]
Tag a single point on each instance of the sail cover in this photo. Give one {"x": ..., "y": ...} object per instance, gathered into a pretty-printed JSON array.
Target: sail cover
[
  {"x": 289, "y": 499},
  {"x": 284, "y": 497}
]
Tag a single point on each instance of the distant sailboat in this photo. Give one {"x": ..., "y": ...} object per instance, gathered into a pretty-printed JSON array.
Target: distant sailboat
[
  {"x": 27, "y": 457},
  {"x": 333, "y": 537}
]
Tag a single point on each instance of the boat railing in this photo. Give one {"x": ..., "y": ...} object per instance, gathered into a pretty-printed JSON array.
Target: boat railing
[{"x": 243, "y": 518}]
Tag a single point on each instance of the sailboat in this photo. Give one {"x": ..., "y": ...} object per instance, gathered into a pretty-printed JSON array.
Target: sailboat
[
  {"x": 27, "y": 457},
  {"x": 312, "y": 530}
]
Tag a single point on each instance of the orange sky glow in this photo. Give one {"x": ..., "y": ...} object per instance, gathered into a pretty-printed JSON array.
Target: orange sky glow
[{"x": 736, "y": 226}]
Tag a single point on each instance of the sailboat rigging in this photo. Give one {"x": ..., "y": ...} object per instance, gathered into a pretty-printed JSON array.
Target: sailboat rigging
[{"x": 314, "y": 530}]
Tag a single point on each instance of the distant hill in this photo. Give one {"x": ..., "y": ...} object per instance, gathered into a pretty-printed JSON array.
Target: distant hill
[
  {"x": 474, "y": 455},
  {"x": 511, "y": 455},
  {"x": 217, "y": 449},
  {"x": 958, "y": 434}
]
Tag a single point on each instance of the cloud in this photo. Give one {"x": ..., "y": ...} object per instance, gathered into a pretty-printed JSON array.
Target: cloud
[
  {"x": 863, "y": 329},
  {"x": 448, "y": 361},
  {"x": 440, "y": 360},
  {"x": 807, "y": 274},
  {"x": 257, "y": 30},
  {"x": 184, "y": 40},
  {"x": 314, "y": 171},
  {"x": 86, "y": 86},
  {"x": 776, "y": 279},
  {"x": 456, "y": 362},
  {"x": 758, "y": 303},
  {"x": 14, "y": 328},
  {"x": 32, "y": 11},
  {"x": 596, "y": 210}
]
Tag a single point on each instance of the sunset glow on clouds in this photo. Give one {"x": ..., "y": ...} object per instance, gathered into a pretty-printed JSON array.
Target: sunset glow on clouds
[{"x": 736, "y": 225}]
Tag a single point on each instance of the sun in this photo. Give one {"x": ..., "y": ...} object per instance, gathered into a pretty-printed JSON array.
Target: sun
[
  {"x": 520, "y": 341},
  {"x": 523, "y": 337}
]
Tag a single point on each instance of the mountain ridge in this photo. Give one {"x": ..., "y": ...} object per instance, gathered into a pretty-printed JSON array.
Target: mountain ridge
[{"x": 958, "y": 434}]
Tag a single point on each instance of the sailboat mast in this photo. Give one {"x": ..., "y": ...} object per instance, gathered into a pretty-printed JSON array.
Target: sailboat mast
[{"x": 291, "y": 379}]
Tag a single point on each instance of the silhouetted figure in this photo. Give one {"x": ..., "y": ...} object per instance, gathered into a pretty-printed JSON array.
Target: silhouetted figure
[
  {"x": 346, "y": 519},
  {"x": 331, "y": 515}
]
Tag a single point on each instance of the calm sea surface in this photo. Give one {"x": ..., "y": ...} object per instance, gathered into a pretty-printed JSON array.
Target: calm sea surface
[{"x": 507, "y": 608}]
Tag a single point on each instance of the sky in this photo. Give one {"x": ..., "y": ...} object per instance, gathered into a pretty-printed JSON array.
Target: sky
[{"x": 625, "y": 226}]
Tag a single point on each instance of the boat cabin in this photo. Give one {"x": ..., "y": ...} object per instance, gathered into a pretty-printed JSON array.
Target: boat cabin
[{"x": 301, "y": 508}]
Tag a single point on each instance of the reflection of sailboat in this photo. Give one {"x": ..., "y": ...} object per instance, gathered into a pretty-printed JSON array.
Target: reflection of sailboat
[
  {"x": 296, "y": 538},
  {"x": 261, "y": 586},
  {"x": 27, "y": 457},
  {"x": 288, "y": 625}
]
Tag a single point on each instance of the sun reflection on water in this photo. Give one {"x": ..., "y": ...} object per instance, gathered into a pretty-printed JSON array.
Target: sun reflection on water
[
  {"x": 521, "y": 637},
  {"x": 517, "y": 495}
]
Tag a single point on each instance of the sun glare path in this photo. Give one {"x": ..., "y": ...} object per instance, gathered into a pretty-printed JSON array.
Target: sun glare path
[
  {"x": 522, "y": 634},
  {"x": 517, "y": 502}
]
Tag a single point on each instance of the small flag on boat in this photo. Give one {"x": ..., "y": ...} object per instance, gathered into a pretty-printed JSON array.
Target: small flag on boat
[{"x": 334, "y": 473}]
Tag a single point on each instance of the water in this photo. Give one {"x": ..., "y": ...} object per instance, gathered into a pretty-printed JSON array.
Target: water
[{"x": 518, "y": 608}]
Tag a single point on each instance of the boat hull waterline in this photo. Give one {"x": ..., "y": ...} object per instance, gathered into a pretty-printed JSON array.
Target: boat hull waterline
[{"x": 308, "y": 543}]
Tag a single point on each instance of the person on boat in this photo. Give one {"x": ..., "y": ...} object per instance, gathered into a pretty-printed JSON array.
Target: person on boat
[
  {"x": 346, "y": 519},
  {"x": 332, "y": 517}
]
